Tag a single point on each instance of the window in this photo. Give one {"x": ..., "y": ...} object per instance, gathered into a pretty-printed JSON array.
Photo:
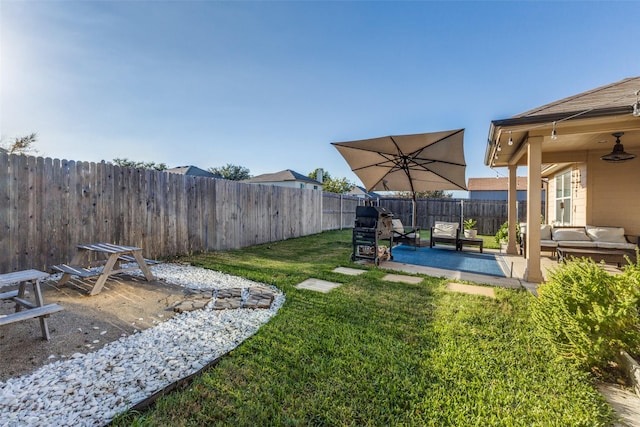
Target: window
[{"x": 563, "y": 198}]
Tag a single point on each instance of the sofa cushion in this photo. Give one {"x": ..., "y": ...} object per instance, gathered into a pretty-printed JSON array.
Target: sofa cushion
[
  {"x": 573, "y": 234},
  {"x": 548, "y": 243},
  {"x": 606, "y": 234},
  {"x": 397, "y": 226},
  {"x": 615, "y": 245},
  {"x": 445, "y": 229},
  {"x": 576, "y": 243},
  {"x": 545, "y": 232}
]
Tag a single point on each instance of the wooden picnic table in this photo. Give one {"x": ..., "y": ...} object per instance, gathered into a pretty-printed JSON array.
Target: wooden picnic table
[
  {"x": 115, "y": 255},
  {"x": 31, "y": 310}
]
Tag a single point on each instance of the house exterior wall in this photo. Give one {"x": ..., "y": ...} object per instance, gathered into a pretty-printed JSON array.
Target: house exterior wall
[
  {"x": 602, "y": 193},
  {"x": 613, "y": 193}
]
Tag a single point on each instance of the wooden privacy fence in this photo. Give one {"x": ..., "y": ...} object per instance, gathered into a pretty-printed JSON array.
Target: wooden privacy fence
[
  {"x": 339, "y": 211},
  {"x": 489, "y": 214},
  {"x": 47, "y": 207}
]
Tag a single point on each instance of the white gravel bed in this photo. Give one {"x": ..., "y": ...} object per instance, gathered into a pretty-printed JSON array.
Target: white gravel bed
[{"x": 90, "y": 389}]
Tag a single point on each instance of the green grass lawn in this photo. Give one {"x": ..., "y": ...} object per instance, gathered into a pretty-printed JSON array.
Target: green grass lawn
[{"x": 373, "y": 352}]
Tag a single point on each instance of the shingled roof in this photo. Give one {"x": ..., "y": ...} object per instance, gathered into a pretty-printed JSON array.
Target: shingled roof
[
  {"x": 612, "y": 99},
  {"x": 282, "y": 176},
  {"x": 192, "y": 171}
]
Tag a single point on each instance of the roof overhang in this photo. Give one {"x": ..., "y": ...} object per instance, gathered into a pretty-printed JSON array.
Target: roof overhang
[{"x": 577, "y": 134}]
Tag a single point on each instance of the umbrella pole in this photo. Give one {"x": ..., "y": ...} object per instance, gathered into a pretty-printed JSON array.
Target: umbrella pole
[{"x": 415, "y": 211}]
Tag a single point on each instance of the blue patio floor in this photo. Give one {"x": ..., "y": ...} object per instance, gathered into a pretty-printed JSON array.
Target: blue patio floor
[{"x": 449, "y": 259}]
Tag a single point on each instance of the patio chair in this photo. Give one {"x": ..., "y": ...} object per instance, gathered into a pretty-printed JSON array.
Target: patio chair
[
  {"x": 445, "y": 232},
  {"x": 401, "y": 235}
]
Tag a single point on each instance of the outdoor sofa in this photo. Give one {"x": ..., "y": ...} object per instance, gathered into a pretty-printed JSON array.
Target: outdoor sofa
[{"x": 597, "y": 239}]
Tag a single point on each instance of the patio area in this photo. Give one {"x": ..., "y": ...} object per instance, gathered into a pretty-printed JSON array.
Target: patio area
[{"x": 513, "y": 268}]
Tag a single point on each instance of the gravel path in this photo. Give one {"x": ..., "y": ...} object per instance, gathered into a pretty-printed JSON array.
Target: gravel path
[{"x": 90, "y": 389}]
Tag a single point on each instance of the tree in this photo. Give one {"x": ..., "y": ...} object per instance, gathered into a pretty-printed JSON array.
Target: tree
[
  {"x": 435, "y": 194},
  {"x": 124, "y": 162},
  {"x": 332, "y": 185},
  {"x": 232, "y": 172},
  {"x": 23, "y": 144}
]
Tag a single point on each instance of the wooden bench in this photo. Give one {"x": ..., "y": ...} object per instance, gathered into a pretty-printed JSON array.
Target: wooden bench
[
  {"x": 113, "y": 256},
  {"x": 31, "y": 310},
  {"x": 45, "y": 310},
  {"x": 75, "y": 270},
  {"x": 129, "y": 258}
]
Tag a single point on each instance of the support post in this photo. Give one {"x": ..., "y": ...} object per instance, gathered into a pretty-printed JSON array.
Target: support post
[
  {"x": 512, "y": 214},
  {"x": 533, "y": 272}
]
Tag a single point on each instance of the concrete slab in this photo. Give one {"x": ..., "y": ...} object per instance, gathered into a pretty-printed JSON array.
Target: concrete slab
[
  {"x": 349, "y": 271},
  {"x": 625, "y": 403},
  {"x": 318, "y": 285},
  {"x": 403, "y": 279},
  {"x": 471, "y": 289},
  {"x": 453, "y": 275}
]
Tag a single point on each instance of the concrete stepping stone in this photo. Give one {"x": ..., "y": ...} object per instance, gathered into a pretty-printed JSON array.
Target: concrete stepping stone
[
  {"x": 349, "y": 271},
  {"x": 402, "y": 279},
  {"x": 471, "y": 289},
  {"x": 318, "y": 285}
]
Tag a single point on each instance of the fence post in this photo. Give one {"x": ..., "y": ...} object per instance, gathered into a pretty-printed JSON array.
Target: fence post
[{"x": 341, "y": 209}]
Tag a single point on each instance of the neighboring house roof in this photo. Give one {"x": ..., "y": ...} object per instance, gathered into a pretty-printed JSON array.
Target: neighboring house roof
[
  {"x": 192, "y": 171},
  {"x": 495, "y": 184},
  {"x": 358, "y": 190},
  {"x": 282, "y": 176}
]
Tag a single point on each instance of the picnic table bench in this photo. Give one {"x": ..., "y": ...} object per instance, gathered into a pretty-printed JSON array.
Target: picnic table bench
[
  {"x": 37, "y": 309},
  {"x": 115, "y": 255}
]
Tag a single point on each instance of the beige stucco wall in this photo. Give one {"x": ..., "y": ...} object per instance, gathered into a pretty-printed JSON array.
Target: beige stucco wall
[
  {"x": 602, "y": 193},
  {"x": 613, "y": 193},
  {"x": 579, "y": 193}
]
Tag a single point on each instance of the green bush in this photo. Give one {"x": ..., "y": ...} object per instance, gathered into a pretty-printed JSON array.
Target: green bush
[
  {"x": 503, "y": 233},
  {"x": 587, "y": 314}
]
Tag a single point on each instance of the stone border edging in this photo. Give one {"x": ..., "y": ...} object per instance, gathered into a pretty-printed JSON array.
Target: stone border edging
[{"x": 182, "y": 382}]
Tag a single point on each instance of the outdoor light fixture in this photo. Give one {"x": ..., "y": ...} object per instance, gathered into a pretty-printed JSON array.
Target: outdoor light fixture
[
  {"x": 510, "y": 139},
  {"x": 636, "y": 106},
  {"x": 553, "y": 132},
  {"x": 618, "y": 154}
]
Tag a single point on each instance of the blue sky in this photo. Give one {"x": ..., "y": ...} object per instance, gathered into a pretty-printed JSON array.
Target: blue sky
[{"x": 269, "y": 85}]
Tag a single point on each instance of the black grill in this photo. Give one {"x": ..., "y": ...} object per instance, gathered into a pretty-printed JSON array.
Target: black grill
[{"x": 373, "y": 223}]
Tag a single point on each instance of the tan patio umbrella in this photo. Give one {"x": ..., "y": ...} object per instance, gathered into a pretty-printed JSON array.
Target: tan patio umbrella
[{"x": 420, "y": 162}]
